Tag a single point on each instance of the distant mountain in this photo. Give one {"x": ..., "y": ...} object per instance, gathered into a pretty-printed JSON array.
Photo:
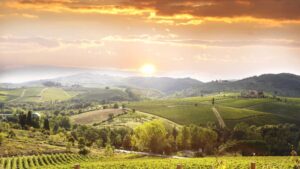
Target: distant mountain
[
  {"x": 283, "y": 84},
  {"x": 163, "y": 84}
]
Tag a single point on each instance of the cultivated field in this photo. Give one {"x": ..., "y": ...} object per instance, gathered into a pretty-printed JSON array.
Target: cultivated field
[
  {"x": 63, "y": 161},
  {"x": 97, "y": 116},
  {"x": 233, "y": 109},
  {"x": 36, "y": 94}
]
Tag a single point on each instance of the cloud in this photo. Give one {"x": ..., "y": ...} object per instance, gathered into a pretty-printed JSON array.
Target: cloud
[
  {"x": 173, "y": 39},
  {"x": 44, "y": 42},
  {"x": 272, "y": 9}
]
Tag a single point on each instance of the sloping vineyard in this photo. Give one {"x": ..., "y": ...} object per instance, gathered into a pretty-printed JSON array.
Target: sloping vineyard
[{"x": 41, "y": 161}]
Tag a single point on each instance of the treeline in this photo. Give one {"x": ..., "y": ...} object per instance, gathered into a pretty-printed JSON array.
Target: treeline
[
  {"x": 155, "y": 137},
  {"x": 35, "y": 120}
]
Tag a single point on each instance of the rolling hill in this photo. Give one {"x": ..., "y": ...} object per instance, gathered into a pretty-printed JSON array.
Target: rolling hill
[
  {"x": 283, "y": 84},
  {"x": 233, "y": 110}
]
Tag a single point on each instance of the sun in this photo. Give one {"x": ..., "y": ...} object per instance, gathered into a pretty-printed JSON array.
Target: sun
[{"x": 148, "y": 69}]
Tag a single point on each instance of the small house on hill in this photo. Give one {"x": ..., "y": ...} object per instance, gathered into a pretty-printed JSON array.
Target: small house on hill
[{"x": 252, "y": 94}]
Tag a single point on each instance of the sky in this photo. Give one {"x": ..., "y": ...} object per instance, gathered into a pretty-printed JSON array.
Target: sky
[{"x": 203, "y": 39}]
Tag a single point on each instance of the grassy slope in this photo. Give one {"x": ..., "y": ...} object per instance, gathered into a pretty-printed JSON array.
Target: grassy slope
[
  {"x": 35, "y": 94},
  {"x": 52, "y": 94},
  {"x": 280, "y": 108},
  {"x": 6, "y": 95},
  {"x": 243, "y": 103},
  {"x": 97, "y": 116},
  {"x": 181, "y": 114},
  {"x": 134, "y": 119},
  {"x": 232, "y": 109}
]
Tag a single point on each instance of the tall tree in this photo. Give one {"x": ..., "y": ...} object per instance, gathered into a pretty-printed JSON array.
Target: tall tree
[
  {"x": 29, "y": 118},
  {"x": 22, "y": 120},
  {"x": 46, "y": 124}
]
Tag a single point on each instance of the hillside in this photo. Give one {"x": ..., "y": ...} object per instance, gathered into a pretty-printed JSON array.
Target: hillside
[
  {"x": 282, "y": 84},
  {"x": 233, "y": 110}
]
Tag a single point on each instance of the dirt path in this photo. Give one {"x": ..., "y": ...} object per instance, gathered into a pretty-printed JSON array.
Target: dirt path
[
  {"x": 147, "y": 154},
  {"x": 22, "y": 95},
  {"x": 218, "y": 116},
  {"x": 41, "y": 93},
  {"x": 67, "y": 94}
]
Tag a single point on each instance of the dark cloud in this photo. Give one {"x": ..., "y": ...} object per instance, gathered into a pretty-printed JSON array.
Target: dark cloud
[{"x": 274, "y": 9}]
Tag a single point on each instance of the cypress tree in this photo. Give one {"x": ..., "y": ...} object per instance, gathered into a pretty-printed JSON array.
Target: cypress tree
[
  {"x": 29, "y": 118},
  {"x": 46, "y": 124}
]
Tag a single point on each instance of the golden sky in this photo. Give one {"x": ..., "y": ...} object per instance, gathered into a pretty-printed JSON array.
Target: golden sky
[{"x": 205, "y": 39}]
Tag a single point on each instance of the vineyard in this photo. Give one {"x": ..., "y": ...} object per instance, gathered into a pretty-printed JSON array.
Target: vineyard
[
  {"x": 41, "y": 161},
  {"x": 64, "y": 161}
]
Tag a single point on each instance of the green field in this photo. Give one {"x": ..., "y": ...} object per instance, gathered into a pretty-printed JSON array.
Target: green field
[
  {"x": 233, "y": 110},
  {"x": 280, "y": 108},
  {"x": 36, "y": 94},
  {"x": 181, "y": 114},
  {"x": 55, "y": 94}
]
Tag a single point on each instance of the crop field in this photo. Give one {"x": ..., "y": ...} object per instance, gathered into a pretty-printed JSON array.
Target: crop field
[
  {"x": 198, "y": 110},
  {"x": 181, "y": 114},
  {"x": 54, "y": 94},
  {"x": 96, "y": 116},
  {"x": 36, "y": 94},
  {"x": 11, "y": 94},
  {"x": 280, "y": 108},
  {"x": 41, "y": 161},
  {"x": 64, "y": 161},
  {"x": 244, "y": 103}
]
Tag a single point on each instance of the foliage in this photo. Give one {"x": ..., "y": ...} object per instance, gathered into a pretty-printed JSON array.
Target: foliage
[
  {"x": 1, "y": 138},
  {"x": 150, "y": 136}
]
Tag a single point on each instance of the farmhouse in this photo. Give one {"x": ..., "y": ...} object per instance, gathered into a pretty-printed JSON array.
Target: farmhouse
[{"x": 252, "y": 94}]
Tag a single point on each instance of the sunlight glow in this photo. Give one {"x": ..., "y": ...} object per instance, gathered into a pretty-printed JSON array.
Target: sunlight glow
[{"x": 148, "y": 69}]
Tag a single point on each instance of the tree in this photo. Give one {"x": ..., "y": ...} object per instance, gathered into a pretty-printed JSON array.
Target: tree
[
  {"x": 150, "y": 136},
  {"x": 82, "y": 148},
  {"x": 22, "y": 120},
  {"x": 175, "y": 132},
  {"x": 1, "y": 139},
  {"x": 46, "y": 124},
  {"x": 116, "y": 106},
  {"x": 1, "y": 106},
  {"x": 109, "y": 150},
  {"x": 184, "y": 138},
  {"x": 65, "y": 122},
  {"x": 29, "y": 118},
  {"x": 213, "y": 101},
  {"x": 127, "y": 142}
]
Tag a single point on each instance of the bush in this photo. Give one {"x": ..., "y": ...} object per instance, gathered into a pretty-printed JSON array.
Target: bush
[
  {"x": 109, "y": 150},
  {"x": 84, "y": 151}
]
